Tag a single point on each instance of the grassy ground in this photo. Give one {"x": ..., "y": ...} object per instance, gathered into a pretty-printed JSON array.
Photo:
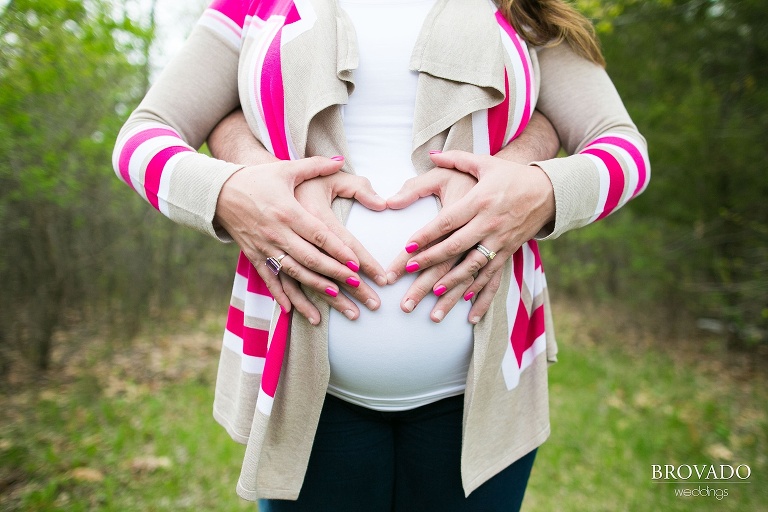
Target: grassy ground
[
  {"x": 132, "y": 430},
  {"x": 622, "y": 401}
]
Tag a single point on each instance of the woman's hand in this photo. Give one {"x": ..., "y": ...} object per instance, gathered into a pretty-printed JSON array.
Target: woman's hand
[
  {"x": 509, "y": 205},
  {"x": 258, "y": 208},
  {"x": 449, "y": 186},
  {"x": 315, "y": 196}
]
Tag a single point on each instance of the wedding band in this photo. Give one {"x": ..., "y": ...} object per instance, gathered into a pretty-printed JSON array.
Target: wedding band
[
  {"x": 274, "y": 264},
  {"x": 485, "y": 252}
]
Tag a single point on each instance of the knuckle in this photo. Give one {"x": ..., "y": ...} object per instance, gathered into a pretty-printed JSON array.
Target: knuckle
[
  {"x": 420, "y": 289},
  {"x": 488, "y": 273},
  {"x": 444, "y": 267},
  {"x": 474, "y": 267},
  {"x": 310, "y": 260},
  {"x": 271, "y": 235},
  {"x": 453, "y": 246},
  {"x": 445, "y": 223},
  {"x": 320, "y": 238},
  {"x": 280, "y": 215},
  {"x": 316, "y": 161},
  {"x": 493, "y": 224},
  {"x": 291, "y": 271}
]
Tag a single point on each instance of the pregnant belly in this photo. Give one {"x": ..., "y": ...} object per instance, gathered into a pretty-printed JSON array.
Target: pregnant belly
[{"x": 388, "y": 359}]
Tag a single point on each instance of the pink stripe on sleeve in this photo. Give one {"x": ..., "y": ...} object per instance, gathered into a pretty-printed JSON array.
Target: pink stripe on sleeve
[
  {"x": 533, "y": 244},
  {"x": 637, "y": 157},
  {"x": 274, "y": 360},
  {"x": 537, "y": 325},
  {"x": 154, "y": 172},
  {"x": 133, "y": 143},
  {"x": 616, "y": 177},
  {"x": 519, "y": 336},
  {"x": 235, "y": 321},
  {"x": 526, "y": 70},
  {"x": 498, "y": 117},
  {"x": 234, "y": 10},
  {"x": 526, "y": 330},
  {"x": 255, "y": 283},
  {"x": 243, "y": 264},
  {"x": 266, "y": 8},
  {"x": 273, "y": 100},
  {"x": 255, "y": 341}
]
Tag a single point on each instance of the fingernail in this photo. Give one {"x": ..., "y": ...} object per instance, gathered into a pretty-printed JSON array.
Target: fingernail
[
  {"x": 349, "y": 314},
  {"x": 282, "y": 309},
  {"x": 371, "y": 304},
  {"x": 469, "y": 295},
  {"x": 435, "y": 152},
  {"x": 438, "y": 315},
  {"x": 409, "y": 305},
  {"x": 338, "y": 158},
  {"x": 380, "y": 280},
  {"x": 474, "y": 320},
  {"x": 313, "y": 320},
  {"x": 351, "y": 281},
  {"x": 330, "y": 291},
  {"x": 412, "y": 267},
  {"x": 353, "y": 266},
  {"x": 391, "y": 277},
  {"x": 411, "y": 247},
  {"x": 440, "y": 290}
]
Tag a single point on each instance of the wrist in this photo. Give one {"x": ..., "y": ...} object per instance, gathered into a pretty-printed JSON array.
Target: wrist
[{"x": 546, "y": 196}]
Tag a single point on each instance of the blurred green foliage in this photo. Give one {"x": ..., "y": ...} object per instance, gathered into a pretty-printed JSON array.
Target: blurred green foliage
[
  {"x": 78, "y": 249},
  {"x": 694, "y": 76}
]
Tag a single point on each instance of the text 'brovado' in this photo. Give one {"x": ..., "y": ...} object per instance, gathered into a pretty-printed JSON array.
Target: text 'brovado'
[{"x": 700, "y": 472}]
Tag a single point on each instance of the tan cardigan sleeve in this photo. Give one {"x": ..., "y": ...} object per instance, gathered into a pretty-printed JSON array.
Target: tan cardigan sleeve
[
  {"x": 608, "y": 163},
  {"x": 155, "y": 150}
]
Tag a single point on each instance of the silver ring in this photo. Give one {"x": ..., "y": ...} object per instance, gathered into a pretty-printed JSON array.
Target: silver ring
[
  {"x": 486, "y": 252},
  {"x": 274, "y": 264}
]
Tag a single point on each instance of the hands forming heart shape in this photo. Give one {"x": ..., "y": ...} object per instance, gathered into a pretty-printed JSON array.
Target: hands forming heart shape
[
  {"x": 278, "y": 208},
  {"x": 285, "y": 208}
]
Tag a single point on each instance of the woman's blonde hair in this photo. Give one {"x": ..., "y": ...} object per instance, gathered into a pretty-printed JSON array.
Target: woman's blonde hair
[{"x": 550, "y": 22}]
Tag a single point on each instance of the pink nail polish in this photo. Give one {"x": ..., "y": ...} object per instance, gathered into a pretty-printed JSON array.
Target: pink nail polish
[
  {"x": 435, "y": 152},
  {"x": 330, "y": 291},
  {"x": 353, "y": 266},
  {"x": 440, "y": 290},
  {"x": 412, "y": 267},
  {"x": 469, "y": 295},
  {"x": 351, "y": 281},
  {"x": 338, "y": 158},
  {"x": 411, "y": 247}
]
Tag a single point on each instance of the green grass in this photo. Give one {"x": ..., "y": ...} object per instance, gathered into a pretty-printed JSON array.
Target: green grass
[
  {"x": 616, "y": 410},
  {"x": 133, "y": 431},
  {"x": 129, "y": 432},
  {"x": 160, "y": 451}
]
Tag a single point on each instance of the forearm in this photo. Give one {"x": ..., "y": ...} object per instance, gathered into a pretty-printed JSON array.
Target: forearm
[
  {"x": 539, "y": 141},
  {"x": 608, "y": 163},
  {"x": 154, "y": 152},
  {"x": 233, "y": 141}
]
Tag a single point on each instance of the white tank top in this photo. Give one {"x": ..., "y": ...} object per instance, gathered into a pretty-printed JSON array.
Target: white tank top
[{"x": 387, "y": 359}]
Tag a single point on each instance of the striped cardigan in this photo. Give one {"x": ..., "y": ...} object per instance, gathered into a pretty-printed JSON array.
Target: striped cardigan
[{"x": 290, "y": 64}]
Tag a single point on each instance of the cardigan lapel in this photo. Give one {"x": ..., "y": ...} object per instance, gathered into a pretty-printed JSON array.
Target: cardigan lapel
[
  {"x": 455, "y": 79},
  {"x": 318, "y": 55}
]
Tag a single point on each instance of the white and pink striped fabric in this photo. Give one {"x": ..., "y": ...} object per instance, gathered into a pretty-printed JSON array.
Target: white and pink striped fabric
[
  {"x": 258, "y": 54},
  {"x": 146, "y": 158}
]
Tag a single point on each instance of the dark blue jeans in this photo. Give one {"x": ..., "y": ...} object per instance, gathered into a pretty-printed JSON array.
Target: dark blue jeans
[{"x": 369, "y": 461}]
